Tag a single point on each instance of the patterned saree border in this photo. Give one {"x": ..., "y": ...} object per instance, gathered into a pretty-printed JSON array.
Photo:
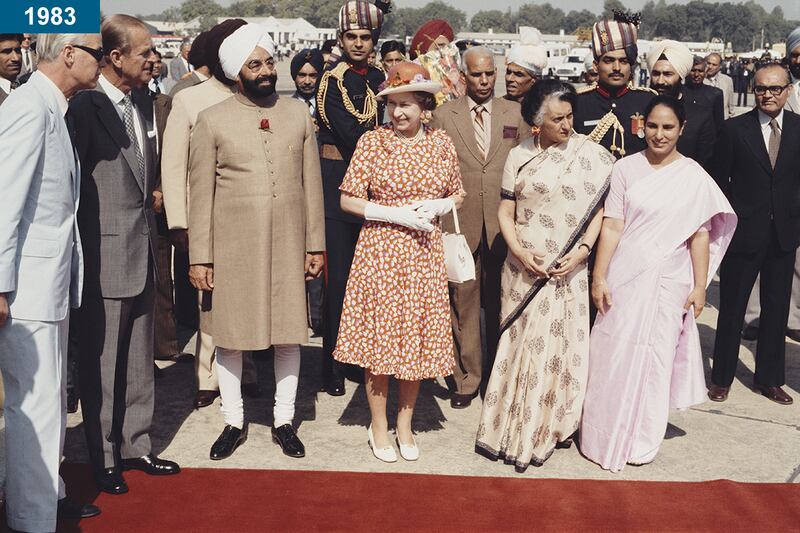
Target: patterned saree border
[{"x": 511, "y": 459}]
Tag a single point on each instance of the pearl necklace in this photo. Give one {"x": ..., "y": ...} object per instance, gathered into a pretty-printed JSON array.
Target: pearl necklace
[{"x": 411, "y": 141}]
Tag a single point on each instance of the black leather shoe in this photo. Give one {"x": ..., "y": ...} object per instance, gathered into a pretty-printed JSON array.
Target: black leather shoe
[
  {"x": 72, "y": 510},
  {"x": 286, "y": 437},
  {"x": 750, "y": 333},
  {"x": 227, "y": 442},
  {"x": 335, "y": 387},
  {"x": 110, "y": 481},
  {"x": 717, "y": 393},
  {"x": 150, "y": 464},
  {"x": 252, "y": 390},
  {"x": 461, "y": 401},
  {"x": 72, "y": 401},
  {"x": 793, "y": 334},
  {"x": 204, "y": 398}
]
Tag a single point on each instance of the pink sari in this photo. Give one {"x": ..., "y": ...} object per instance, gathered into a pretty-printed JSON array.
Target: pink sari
[{"x": 644, "y": 353}]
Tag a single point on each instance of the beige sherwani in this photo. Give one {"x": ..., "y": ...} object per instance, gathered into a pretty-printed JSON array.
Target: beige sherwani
[
  {"x": 186, "y": 105},
  {"x": 478, "y": 219},
  {"x": 255, "y": 210}
]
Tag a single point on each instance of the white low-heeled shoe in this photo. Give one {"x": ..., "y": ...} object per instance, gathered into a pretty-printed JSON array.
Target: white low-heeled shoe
[
  {"x": 409, "y": 452},
  {"x": 387, "y": 454}
]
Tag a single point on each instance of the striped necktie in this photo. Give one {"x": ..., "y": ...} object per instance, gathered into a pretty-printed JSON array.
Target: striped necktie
[
  {"x": 130, "y": 129},
  {"x": 480, "y": 130}
]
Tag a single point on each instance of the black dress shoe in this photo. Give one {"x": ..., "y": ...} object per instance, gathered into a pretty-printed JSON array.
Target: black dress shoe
[
  {"x": 286, "y": 437},
  {"x": 204, "y": 398},
  {"x": 150, "y": 464},
  {"x": 793, "y": 334},
  {"x": 252, "y": 390},
  {"x": 181, "y": 357},
  {"x": 335, "y": 387},
  {"x": 72, "y": 401},
  {"x": 72, "y": 510},
  {"x": 230, "y": 439},
  {"x": 750, "y": 333},
  {"x": 461, "y": 401},
  {"x": 110, "y": 481}
]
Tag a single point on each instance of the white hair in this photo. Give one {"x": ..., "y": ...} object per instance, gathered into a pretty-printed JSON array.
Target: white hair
[
  {"x": 476, "y": 51},
  {"x": 538, "y": 118},
  {"x": 50, "y": 45}
]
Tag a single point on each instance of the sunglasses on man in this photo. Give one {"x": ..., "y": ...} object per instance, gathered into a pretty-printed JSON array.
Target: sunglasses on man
[{"x": 96, "y": 53}]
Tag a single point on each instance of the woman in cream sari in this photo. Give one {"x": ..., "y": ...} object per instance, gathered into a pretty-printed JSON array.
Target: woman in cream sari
[{"x": 550, "y": 217}]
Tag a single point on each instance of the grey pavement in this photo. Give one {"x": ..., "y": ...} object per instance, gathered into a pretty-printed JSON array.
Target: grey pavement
[{"x": 747, "y": 438}]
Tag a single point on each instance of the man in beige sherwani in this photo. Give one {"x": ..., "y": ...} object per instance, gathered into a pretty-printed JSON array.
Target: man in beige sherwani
[
  {"x": 174, "y": 179},
  {"x": 256, "y": 229}
]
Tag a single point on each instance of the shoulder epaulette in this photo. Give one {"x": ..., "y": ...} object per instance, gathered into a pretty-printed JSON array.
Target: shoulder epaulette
[
  {"x": 370, "y": 112},
  {"x": 587, "y": 89}
]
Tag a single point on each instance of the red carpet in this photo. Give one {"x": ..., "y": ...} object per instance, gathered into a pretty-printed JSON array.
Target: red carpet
[{"x": 218, "y": 500}]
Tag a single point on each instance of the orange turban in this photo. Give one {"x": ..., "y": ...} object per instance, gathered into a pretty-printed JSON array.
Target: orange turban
[{"x": 428, "y": 33}]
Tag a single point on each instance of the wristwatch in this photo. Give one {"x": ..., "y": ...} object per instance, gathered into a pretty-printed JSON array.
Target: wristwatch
[{"x": 588, "y": 248}]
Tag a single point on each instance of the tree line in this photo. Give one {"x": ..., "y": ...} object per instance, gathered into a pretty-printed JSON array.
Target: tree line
[{"x": 745, "y": 25}]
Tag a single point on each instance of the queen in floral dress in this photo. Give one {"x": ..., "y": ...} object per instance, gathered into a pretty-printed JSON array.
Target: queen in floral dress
[{"x": 396, "y": 315}]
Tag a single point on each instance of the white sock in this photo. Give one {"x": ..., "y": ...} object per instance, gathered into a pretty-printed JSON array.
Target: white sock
[
  {"x": 287, "y": 370},
  {"x": 229, "y": 370}
]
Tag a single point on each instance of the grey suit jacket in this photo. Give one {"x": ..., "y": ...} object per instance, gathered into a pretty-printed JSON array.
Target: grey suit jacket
[
  {"x": 3, "y": 96},
  {"x": 116, "y": 215},
  {"x": 177, "y": 69}
]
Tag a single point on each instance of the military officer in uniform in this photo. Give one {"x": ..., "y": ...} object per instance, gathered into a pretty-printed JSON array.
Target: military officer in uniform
[
  {"x": 611, "y": 111},
  {"x": 346, "y": 109}
]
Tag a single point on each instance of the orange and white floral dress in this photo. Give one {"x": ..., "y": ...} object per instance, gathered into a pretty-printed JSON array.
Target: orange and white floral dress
[{"x": 396, "y": 315}]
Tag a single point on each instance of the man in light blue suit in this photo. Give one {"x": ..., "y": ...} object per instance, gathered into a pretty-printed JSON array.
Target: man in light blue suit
[{"x": 41, "y": 276}]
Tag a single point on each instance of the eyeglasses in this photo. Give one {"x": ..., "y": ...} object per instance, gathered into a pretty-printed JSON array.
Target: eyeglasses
[
  {"x": 96, "y": 53},
  {"x": 776, "y": 90}
]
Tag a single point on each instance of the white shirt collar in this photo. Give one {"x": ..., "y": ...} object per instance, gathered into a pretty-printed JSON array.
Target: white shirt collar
[
  {"x": 765, "y": 119},
  {"x": 202, "y": 77},
  {"x": 5, "y": 85},
  {"x": 487, "y": 105},
  {"x": 114, "y": 94},
  {"x": 63, "y": 106}
]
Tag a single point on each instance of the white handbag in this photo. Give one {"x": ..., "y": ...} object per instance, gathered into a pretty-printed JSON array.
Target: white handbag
[{"x": 457, "y": 256}]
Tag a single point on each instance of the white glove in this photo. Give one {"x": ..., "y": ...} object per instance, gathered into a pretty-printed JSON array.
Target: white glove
[
  {"x": 434, "y": 208},
  {"x": 404, "y": 216}
]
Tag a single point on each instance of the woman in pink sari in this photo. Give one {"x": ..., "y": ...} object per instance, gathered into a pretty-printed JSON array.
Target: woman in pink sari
[{"x": 666, "y": 228}]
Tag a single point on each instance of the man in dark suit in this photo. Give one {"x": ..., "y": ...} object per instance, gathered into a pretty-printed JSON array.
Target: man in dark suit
[
  {"x": 757, "y": 164},
  {"x": 669, "y": 62},
  {"x": 701, "y": 94},
  {"x": 115, "y": 139},
  {"x": 484, "y": 129}
]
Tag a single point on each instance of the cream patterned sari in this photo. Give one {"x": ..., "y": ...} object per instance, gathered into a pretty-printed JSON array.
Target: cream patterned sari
[{"x": 536, "y": 388}]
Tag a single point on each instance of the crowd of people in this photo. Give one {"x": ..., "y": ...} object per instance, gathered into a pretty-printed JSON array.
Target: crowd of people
[{"x": 593, "y": 222}]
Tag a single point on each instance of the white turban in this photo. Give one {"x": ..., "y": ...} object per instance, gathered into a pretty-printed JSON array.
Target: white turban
[
  {"x": 588, "y": 62},
  {"x": 530, "y": 53},
  {"x": 238, "y": 46},
  {"x": 676, "y": 53}
]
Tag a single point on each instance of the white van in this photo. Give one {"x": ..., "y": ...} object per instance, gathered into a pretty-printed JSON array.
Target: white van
[{"x": 572, "y": 69}]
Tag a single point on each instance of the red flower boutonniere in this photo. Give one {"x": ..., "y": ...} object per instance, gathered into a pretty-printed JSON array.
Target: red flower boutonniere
[{"x": 264, "y": 124}]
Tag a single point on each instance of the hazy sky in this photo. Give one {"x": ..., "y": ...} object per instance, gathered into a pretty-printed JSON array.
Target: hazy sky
[{"x": 791, "y": 8}]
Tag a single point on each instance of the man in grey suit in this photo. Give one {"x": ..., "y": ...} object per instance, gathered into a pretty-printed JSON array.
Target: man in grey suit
[
  {"x": 115, "y": 138},
  {"x": 40, "y": 277},
  {"x": 30, "y": 59},
  {"x": 721, "y": 81},
  {"x": 180, "y": 66},
  {"x": 10, "y": 64}
]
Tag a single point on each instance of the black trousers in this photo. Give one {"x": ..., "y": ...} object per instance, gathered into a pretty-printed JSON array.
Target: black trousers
[
  {"x": 737, "y": 275},
  {"x": 340, "y": 239},
  {"x": 186, "y": 312}
]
